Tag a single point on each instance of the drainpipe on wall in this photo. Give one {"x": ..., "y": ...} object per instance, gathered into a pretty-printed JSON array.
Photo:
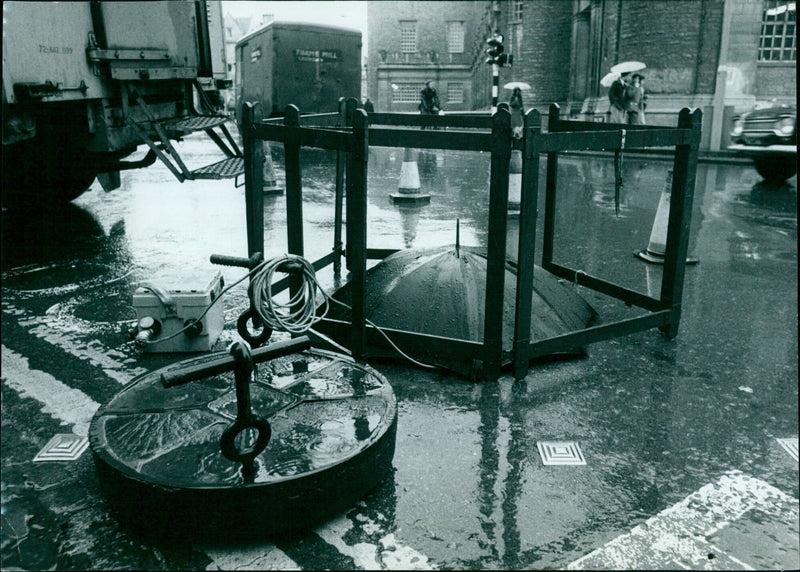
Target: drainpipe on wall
[
  {"x": 718, "y": 109},
  {"x": 718, "y": 104}
]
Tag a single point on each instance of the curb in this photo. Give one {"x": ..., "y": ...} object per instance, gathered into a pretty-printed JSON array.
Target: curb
[{"x": 703, "y": 156}]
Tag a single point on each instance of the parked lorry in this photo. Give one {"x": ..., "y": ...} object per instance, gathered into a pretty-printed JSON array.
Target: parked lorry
[
  {"x": 310, "y": 66},
  {"x": 86, "y": 83}
]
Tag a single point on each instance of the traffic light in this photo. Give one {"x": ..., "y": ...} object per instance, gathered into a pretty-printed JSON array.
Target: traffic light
[{"x": 495, "y": 51}]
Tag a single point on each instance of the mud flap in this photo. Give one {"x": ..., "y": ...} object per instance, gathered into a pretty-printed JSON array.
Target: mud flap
[{"x": 109, "y": 180}]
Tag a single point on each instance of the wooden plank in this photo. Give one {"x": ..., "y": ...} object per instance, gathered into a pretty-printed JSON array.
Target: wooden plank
[
  {"x": 612, "y": 140},
  {"x": 317, "y": 137},
  {"x": 380, "y": 253},
  {"x": 322, "y": 119},
  {"x": 451, "y": 140},
  {"x": 413, "y": 343},
  {"x": 280, "y": 285},
  {"x": 630, "y": 297},
  {"x": 577, "y": 339},
  {"x": 461, "y": 120},
  {"x": 253, "y": 179},
  {"x": 570, "y": 125}
]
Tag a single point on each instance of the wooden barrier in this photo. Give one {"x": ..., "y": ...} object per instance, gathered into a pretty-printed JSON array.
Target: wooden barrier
[{"x": 353, "y": 130}]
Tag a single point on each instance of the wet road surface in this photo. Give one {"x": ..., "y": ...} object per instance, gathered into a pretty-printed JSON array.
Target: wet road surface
[{"x": 673, "y": 433}]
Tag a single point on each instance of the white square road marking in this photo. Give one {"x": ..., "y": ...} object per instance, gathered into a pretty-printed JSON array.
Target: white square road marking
[
  {"x": 560, "y": 453},
  {"x": 791, "y": 446},
  {"x": 63, "y": 447}
]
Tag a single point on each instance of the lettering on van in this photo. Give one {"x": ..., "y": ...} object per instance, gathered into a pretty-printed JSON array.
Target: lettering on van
[
  {"x": 255, "y": 54},
  {"x": 305, "y": 55},
  {"x": 54, "y": 49}
]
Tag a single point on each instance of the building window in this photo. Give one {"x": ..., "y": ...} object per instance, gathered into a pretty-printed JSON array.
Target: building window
[
  {"x": 408, "y": 36},
  {"x": 516, "y": 10},
  {"x": 777, "y": 43},
  {"x": 406, "y": 92},
  {"x": 455, "y": 93},
  {"x": 455, "y": 37}
]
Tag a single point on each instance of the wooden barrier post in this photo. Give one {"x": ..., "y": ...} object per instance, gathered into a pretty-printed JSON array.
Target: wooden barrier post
[
  {"x": 529, "y": 198},
  {"x": 550, "y": 197},
  {"x": 294, "y": 195},
  {"x": 357, "y": 228},
  {"x": 339, "y": 197},
  {"x": 253, "y": 179},
  {"x": 496, "y": 248},
  {"x": 351, "y": 104},
  {"x": 680, "y": 216}
]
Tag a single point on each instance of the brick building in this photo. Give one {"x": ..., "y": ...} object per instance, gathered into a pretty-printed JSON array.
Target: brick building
[
  {"x": 722, "y": 56},
  {"x": 719, "y": 55},
  {"x": 414, "y": 42}
]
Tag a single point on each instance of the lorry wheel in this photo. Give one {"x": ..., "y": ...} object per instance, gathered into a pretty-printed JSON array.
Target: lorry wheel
[
  {"x": 776, "y": 169},
  {"x": 31, "y": 177}
]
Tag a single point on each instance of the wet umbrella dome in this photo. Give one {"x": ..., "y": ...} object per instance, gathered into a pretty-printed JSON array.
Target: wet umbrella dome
[{"x": 442, "y": 291}]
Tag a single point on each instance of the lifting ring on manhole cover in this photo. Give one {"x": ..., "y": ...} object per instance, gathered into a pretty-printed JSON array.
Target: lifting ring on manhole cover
[
  {"x": 245, "y": 419},
  {"x": 329, "y": 435}
]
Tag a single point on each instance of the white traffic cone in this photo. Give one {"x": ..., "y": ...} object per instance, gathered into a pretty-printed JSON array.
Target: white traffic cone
[
  {"x": 270, "y": 182},
  {"x": 515, "y": 183},
  {"x": 657, "y": 247},
  {"x": 408, "y": 190}
]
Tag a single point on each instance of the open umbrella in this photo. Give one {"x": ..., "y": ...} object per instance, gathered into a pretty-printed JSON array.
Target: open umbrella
[
  {"x": 609, "y": 78},
  {"x": 626, "y": 67},
  {"x": 519, "y": 84},
  {"x": 441, "y": 291}
]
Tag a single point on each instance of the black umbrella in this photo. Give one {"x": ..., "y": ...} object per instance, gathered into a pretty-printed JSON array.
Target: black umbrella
[{"x": 442, "y": 292}]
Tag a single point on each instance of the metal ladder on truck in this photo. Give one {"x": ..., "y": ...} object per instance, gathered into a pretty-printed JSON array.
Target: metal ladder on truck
[{"x": 177, "y": 128}]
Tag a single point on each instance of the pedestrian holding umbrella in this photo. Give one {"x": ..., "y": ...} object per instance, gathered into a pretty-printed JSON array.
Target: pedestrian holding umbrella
[
  {"x": 609, "y": 79},
  {"x": 628, "y": 67},
  {"x": 517, "y": 84}
]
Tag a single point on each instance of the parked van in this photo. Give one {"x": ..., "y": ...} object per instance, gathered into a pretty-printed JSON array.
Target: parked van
[{"x": 310, "y": 66}]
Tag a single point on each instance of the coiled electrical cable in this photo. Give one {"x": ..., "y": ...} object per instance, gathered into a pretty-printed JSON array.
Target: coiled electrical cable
[{"x": 300, "y": 313}]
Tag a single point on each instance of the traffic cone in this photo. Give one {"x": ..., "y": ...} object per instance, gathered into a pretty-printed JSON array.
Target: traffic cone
[
  {"x": 515, "y": 183},
  {"x": 408, "y": 190},
  {"x": 657, "y": 247},
  {"x": 270, "y": 182}
]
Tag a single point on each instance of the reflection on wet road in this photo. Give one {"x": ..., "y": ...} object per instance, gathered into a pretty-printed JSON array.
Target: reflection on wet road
[{"x": 656, "y": 420}]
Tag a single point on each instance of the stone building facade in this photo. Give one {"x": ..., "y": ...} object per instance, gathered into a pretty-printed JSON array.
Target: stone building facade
[
  {"x": 722, "y": 56},
  {"x": 414, "y": 42}
]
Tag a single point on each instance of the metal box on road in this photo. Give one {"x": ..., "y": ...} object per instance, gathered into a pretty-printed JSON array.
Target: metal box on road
[{"x": 161, "y": 314}]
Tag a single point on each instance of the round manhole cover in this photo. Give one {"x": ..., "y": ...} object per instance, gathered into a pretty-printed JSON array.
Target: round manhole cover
[{"x": 158, "y": 458}]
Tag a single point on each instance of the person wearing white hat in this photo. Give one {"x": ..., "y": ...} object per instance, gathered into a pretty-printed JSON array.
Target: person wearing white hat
[{"x": 634, "y": 99}]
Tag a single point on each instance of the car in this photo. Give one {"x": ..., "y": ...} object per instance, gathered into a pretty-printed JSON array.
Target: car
[{"x": 769, "y": 137}]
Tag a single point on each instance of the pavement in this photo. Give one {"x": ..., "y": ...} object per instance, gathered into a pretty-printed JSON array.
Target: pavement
[{"x": 644, "y": 453}]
